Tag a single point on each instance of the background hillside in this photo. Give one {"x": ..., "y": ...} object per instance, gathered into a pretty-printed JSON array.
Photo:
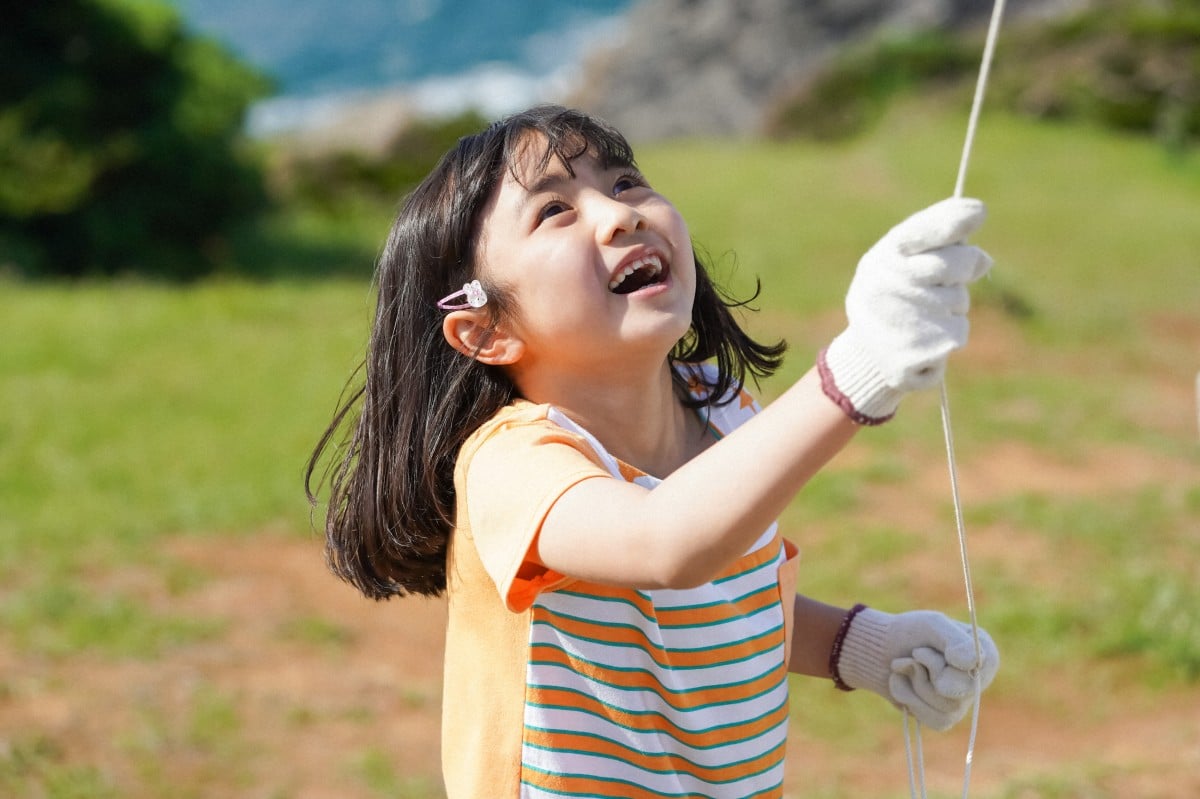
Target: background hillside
[{"x": 708, "y": 67}]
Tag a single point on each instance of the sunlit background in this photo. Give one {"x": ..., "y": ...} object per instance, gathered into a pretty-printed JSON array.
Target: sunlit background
[{"x": 192, "y": 196}]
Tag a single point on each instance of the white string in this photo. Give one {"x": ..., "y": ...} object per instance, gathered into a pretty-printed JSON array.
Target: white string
[
  {"x": 947, "y": 430},
  {"x": 989, "y": 49},
  {"x": 916, "y": 783}
]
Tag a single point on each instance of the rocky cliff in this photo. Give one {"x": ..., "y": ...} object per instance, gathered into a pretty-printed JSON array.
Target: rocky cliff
[{"x": 717, "y": 67}]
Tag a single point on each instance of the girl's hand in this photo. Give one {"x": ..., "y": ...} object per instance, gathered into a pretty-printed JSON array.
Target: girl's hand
[
  {"x": 921, "y": 660},
  {"x": 907, "y": 311}
]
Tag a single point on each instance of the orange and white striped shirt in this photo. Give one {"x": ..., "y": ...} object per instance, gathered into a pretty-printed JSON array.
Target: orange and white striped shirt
[{"x": 557, "y": 687}]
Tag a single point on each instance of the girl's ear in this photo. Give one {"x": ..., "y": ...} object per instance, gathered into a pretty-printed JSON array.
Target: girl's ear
[{"x": 472, "y": 333}]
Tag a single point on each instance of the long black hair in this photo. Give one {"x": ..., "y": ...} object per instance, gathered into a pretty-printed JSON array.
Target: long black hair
[{"x": 395, "y": 437}]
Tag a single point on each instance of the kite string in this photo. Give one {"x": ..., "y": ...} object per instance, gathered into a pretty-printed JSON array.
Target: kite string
[
  {"x": 947, "y": 431},
  {"x": 985, "y": 68},
  {"x": 916, "y": 782},
  {"x": 989, "y": 49}
]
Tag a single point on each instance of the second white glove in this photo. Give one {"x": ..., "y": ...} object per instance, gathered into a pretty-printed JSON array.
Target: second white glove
[
  {"x": 907, "y": 310},
  {"x": 921, "y": 660}
]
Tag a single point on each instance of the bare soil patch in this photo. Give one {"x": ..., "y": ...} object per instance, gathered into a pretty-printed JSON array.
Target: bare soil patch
[{"x": 330, "y": 695}]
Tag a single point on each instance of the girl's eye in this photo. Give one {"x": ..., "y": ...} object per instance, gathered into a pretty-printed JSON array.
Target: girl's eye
[
  {"x": 627, "y": 182},
  {"x": 550, "y": 209}
]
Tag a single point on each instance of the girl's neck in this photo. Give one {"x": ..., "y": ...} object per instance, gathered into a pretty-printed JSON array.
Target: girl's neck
[{"x": 639, "y": 418}]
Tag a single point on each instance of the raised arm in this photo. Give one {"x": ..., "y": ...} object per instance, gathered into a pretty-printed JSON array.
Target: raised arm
[
  {"x": 705, "y": 514},
  {"x": 907, "y": 310}
]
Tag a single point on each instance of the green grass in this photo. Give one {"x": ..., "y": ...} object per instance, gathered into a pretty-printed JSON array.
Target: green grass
[
  {"x": 132, "y": 413},
  {"x": 61, "y": 617},
  {"x": 37, "y": 767},
  {"x": 376, "y": 771},
  {"x": 1122, "y": 595}
]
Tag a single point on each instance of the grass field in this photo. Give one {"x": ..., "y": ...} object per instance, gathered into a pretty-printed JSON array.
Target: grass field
[{"x": 166, "y": 629}]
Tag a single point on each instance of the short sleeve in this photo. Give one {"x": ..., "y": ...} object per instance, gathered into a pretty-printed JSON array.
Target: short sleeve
[{"x": 511, "y": 474}]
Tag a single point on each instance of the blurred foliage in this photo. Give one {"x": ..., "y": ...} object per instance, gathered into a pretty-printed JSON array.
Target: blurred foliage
[
  {"x": 121, "y": 144},
  {"x": 332, "y": 206},
  {"x": 332, "y": 178},
  {"x": 853, "y": 93},
  {"x": 1126, "y": 65},
  {"x": 1131, "y": 66}
]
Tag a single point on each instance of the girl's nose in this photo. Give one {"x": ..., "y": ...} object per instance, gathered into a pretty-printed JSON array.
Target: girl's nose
[{"x": 616, "y": 218}]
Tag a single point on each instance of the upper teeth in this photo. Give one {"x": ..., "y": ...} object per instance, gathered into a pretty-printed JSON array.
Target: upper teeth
[{"x": 651, "y": 262}]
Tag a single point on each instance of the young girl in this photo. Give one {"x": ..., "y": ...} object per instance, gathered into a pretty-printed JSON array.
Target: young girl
[{"x": 554, "y": 431}]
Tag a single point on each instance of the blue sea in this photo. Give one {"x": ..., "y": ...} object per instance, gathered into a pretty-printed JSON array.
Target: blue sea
[{"x": 442, "y": 55}]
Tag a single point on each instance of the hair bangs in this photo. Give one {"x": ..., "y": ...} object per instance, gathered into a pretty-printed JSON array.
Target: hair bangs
[{"x": 564, "y": 135}]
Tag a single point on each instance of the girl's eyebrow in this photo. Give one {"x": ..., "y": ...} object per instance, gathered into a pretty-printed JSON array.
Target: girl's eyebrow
[
  {"x": 549, "y": 181},
  {"x": 546, "y": 182},
  {"x": 553, "y": 179}
]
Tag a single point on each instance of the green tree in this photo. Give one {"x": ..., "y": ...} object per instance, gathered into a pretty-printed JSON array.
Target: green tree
[{"x": 121, "y": 143}]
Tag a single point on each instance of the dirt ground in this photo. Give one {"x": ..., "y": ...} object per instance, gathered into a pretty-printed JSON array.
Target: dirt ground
[{"x": 325, "y": 690}]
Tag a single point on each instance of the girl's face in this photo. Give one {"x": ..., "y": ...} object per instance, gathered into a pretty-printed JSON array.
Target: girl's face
[{"x": 598, "y": 264}]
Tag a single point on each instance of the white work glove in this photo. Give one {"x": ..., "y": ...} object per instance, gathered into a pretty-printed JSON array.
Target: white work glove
[
  {"x": 907, "y": 311},
  {"x": 921, "y": 660}
]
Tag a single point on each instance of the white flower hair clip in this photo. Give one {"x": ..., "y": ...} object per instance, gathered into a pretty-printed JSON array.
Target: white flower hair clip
[{"x": 472, "y": 292}]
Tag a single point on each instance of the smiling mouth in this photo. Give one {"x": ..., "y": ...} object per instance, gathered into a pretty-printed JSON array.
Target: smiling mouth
[{"x": 643, "y": 272}]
